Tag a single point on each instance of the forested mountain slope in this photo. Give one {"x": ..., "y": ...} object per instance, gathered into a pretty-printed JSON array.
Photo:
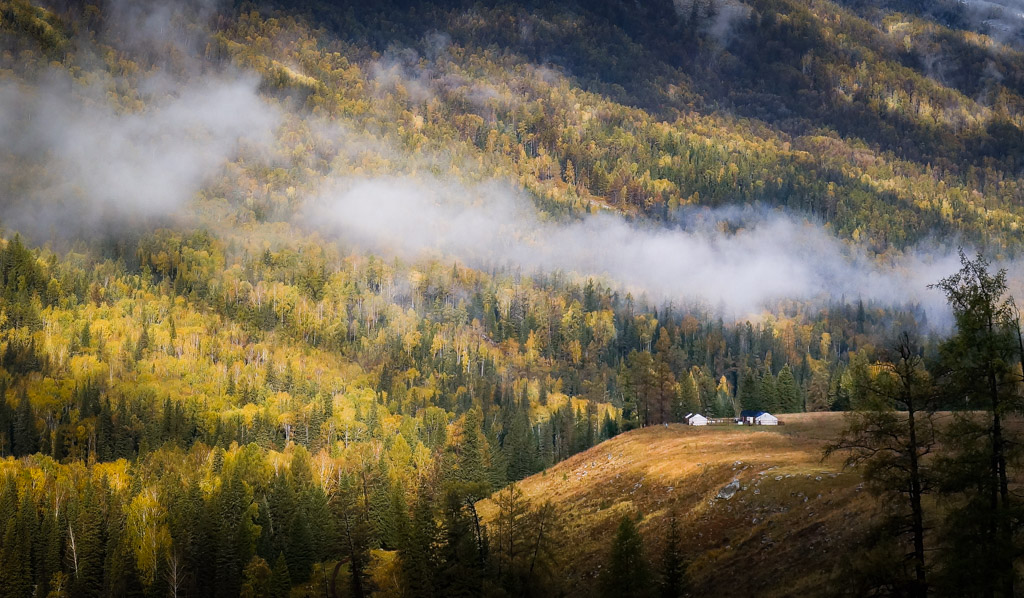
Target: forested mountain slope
[
  {"x": 820, "y": 91},
  {"x": 286, "y": 288}
]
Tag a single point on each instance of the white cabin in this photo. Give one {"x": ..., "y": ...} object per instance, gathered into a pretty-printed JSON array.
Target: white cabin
[
  {"x": 758, "y": 418},
  {"x": 696, "y": 419}
]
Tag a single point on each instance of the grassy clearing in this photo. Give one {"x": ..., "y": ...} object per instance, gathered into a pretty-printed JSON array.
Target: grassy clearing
[{"x": 780, "y": 535}]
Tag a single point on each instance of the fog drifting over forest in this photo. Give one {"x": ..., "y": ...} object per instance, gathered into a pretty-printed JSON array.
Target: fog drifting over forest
[
  {"x": 96, "y": 162},
  {"x": 763, "y": 256}
]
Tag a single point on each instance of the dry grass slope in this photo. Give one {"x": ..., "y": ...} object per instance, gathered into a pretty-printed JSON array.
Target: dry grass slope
[{"x": 782, "y": 534}]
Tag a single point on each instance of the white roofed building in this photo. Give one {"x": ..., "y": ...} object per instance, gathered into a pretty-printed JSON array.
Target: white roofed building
[{"x": 695, "y": 419}]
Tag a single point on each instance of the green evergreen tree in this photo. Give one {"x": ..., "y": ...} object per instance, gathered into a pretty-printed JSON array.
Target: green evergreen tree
[
  {"x": 50, "y": 545},
  {"x": 498, "y": 471},
  {"x": 280, "y": 510},
  {"x": 7, "y": 417},
  {"x": 750, "y": 392},
  {"x": 893, "y": 436},
  {"x": 300, "y": 547},
  {"x": 85, "y": 339},
  {"x": 788, "y": 392},
  {"x": 105, "y": 433},
  {"x": 464, "y": 542},
  {"x": 236, "y": 534},
  {"x": 610, "y": 427},
  {"x": 639, "y": 384},
  {"x": 628, "y": 574},
  {"x": 419, "y": 553},
  {"x": 355, "y": 535},
  {"x": 26, "y": 436},
  {"x": 16, "y": 571},
  {"x": 673, "y": 567},
  {"x": 121, "y": 575},
  {"x": 280, "y": 580},
  {"x": 471, "y": 467},
  {"x": 979, "y": 367},
  {"x": 85, "y": 545},
  {"x": 520, "y": 447},
  {"x": 769, "y": 392},
  {"x": 142, "y": 344},
  {"x": 8, "y": 502}
]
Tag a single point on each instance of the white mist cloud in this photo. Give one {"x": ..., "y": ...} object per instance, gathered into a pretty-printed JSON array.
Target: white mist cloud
[
  {"x": 96, "y": 162},
  {"x": 773, "y": 257},
  {"x": 719, "y": 18},
  {"x": 159, "y": 26},
  {"x": 76, "y": 158},
  {"x": 433, "y": 75},
  {"x": 1001, "y": 19}
]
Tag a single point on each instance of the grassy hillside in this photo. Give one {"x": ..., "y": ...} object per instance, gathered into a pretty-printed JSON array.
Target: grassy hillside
[{"x": 784, "y": 533}]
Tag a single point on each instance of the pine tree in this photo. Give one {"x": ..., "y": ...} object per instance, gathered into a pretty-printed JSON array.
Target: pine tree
[
  {"x": 270, "y": 376},
  {"x": 769, "y": 393},
  {"x": 464, "y": 546},
  {"x": 16, "y": 572},
  {"x": 610, "y": 427},
  {"x": 300, "y": 547},
  {"x": 121, "y": 575},
  {"x": 189, "y": 552},
  {"x": 471, "y": 468},
  {"x": 418, "y": 553},
  {"x": 280, "y": 580},
  {"x": 979, "y": 365},
  {"x": 788, "y": 391},
  {"x": 892, "y": 436},
  {"x": 279, "y": 507},
  {"x": 388, "y": 512},
  {"x": 513, "y": 509},
  {"x": 26, "y": 436},
  {"x": 498, "y": 458},
  {"x": 354, "y": 537},
  {"x": 638, "y": 381},
  {"x": 749, "y": 392},
  {"x": 85, "y": 545},
  {"x": 142, "y": 344},
  {"x": 724, "y": 406},
  {"x": 85, "y": 340},
  {"x": 627, "y": 574},
  {"x": 105, "y": 433},
  {"x": 8, "y": 502},
  {"x": 7, "y": 417},
  {"x": 520, "y": 447},
  {"x": 673, "y": 567},
  {"x": 235, "y": 536},
  {"x": 50, "y": 544}
]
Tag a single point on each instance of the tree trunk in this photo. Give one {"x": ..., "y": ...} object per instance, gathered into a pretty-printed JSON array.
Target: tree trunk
[
  {"x": 921, "y": 587},
  {"x": 1000, "y": 492}
]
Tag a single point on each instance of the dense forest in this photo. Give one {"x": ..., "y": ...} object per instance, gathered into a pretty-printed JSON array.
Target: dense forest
[{"x": 215, "y": 396}]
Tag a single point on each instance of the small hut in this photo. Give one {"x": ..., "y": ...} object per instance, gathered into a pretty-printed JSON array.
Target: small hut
[
  {"x": 695, "y": 419},
  {"x": 758, "y": 418}
]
